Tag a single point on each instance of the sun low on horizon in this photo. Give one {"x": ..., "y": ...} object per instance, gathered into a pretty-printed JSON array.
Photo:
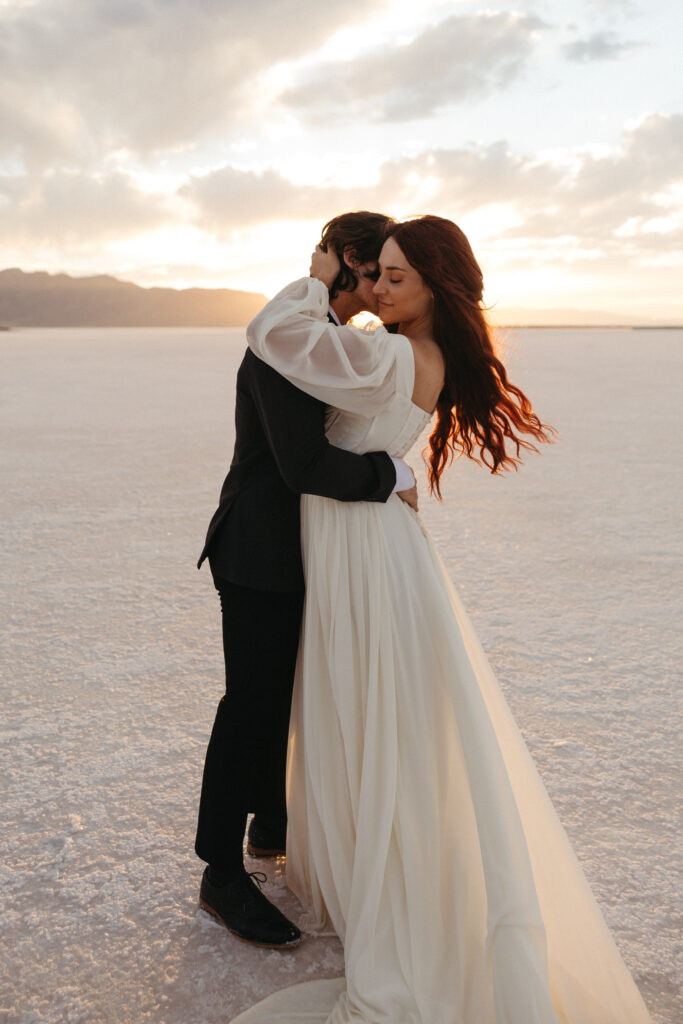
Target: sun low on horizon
[{"x": 551, "y": 133}]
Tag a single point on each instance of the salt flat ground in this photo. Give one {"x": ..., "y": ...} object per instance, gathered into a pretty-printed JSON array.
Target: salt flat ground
[{"x": 114, "y": 446}]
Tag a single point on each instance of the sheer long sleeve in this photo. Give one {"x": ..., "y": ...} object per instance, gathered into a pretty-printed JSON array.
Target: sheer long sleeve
[{"x": 346, "y": 367}]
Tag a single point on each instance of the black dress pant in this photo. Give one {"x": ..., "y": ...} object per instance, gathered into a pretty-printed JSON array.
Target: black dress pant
[{"x": 246, "y": 758}]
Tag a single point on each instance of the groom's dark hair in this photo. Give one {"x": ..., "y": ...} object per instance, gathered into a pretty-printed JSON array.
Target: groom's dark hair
[{"x": 364, "y": 233}]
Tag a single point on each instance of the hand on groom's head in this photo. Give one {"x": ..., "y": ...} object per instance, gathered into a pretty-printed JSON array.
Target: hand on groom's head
[{"x": 325, "y": 265}]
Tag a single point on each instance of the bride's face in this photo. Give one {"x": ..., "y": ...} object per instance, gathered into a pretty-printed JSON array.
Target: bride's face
[{"x": 402, "y": 294}]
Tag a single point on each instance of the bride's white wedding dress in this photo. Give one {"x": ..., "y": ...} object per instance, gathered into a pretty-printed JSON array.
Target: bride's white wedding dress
[{"x": 419, "y": 828}]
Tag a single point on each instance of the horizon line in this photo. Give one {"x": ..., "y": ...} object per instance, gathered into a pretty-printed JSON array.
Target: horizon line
[{"x": 617, "y": 324}]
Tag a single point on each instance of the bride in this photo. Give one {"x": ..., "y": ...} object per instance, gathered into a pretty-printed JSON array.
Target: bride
[{"x": 419, "y": 828}]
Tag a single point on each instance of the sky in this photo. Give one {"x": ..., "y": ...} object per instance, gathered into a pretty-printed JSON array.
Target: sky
[{"x": 205, "y": 142}]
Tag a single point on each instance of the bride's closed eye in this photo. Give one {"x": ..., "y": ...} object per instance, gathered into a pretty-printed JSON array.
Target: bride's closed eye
[{"x": 392, "y": 280}]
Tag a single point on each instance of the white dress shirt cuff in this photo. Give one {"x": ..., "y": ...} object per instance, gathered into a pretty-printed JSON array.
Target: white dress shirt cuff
[{"x": 404, "y": 475}]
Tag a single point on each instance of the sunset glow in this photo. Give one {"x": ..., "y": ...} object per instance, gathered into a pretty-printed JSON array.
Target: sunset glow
[{"x": 551, "y": 132}]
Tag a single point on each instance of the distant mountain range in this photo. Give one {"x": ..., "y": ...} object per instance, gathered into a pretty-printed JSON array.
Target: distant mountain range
[{"x": 57, "y": 300}]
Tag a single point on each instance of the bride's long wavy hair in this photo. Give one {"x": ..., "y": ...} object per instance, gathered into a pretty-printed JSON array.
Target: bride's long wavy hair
[{"x": 479, "y": 410}]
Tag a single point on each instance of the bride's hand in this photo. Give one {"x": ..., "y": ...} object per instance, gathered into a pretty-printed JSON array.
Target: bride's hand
[{"x": 324, "y": 265}]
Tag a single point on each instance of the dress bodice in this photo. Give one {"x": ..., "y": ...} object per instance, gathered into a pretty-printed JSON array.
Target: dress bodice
[{"x": 395, "y": 428}]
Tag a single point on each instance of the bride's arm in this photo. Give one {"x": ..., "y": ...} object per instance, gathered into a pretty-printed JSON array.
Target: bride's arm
[{"x": 346, "y": 367}]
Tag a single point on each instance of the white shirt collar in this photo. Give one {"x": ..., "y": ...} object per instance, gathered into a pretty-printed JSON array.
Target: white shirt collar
[{"x": 334, "y": 316}]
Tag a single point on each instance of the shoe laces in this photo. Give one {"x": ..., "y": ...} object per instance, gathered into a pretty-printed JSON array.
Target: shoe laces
[{"x": 259, "y": 877}]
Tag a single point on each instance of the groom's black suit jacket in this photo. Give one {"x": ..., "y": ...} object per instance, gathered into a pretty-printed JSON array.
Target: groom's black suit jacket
[{"x": 281, "y": 452}]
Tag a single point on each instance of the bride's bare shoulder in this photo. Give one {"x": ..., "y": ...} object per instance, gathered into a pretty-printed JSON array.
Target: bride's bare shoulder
[{"x": 429, "y": 372}]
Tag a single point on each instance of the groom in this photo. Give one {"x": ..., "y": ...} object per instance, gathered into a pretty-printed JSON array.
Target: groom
[{"x": 253, "y": 547}]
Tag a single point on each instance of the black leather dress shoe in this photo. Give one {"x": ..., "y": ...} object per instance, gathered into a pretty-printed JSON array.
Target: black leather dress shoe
[
  {"x": 244, "y": 910},
  {"x": 264, "y": 840}
]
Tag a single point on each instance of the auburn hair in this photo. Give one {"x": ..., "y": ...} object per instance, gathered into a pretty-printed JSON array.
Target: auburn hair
[{"x": 479, "y": 411}]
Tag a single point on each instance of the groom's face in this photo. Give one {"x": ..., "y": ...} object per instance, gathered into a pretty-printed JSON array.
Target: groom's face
[{"x": 367, "y": 274}]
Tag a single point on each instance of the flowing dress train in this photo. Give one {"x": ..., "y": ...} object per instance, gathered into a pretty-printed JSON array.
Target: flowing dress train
[{"x": 419, "y": 828}]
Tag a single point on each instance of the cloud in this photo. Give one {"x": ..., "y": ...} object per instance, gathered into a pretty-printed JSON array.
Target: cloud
[
  {"x": 85, "y": 77},
  {"x": 598, "y": 46},
  {"x": 228, "y": 199},
  {"x": 616, "y": 203},
  {"x": 461, "y": 57},
  {"x": 615, "y": 209},
  {"x": 66, "y": 208},
  {"x": 610, "y": 186},
  {"x": 584, "y": 197},
  {"x": 623, "y": 6}
]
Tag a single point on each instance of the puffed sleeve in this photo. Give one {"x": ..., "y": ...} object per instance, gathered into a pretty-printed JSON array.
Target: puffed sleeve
[{"x": 347, "y": 367}]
